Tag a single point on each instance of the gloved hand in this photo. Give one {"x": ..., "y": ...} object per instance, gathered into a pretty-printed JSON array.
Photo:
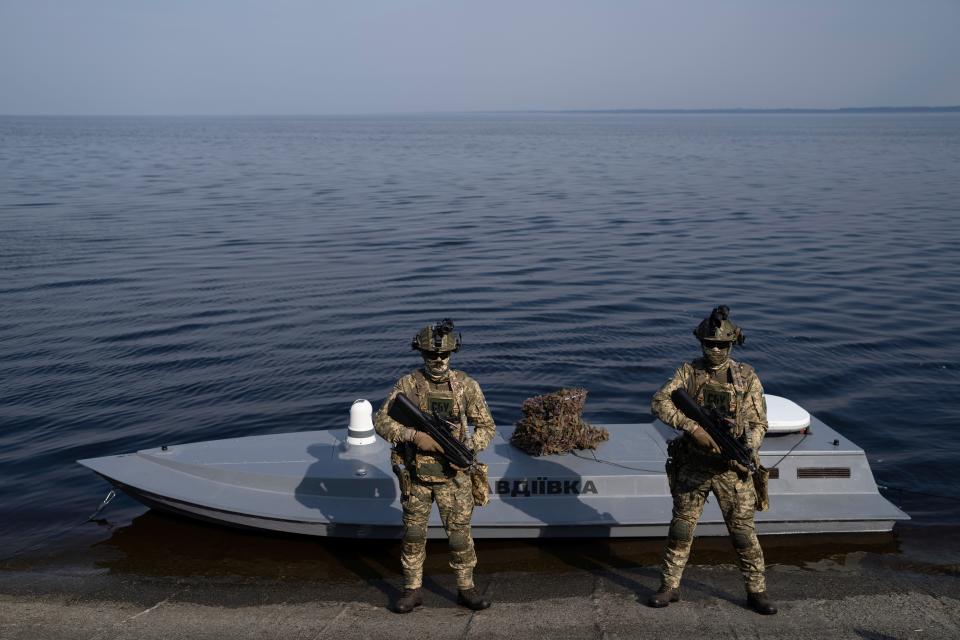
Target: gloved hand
[
  {"x": 425, "y": 443},
  {"x": 741, "y": 470},
  {"x": 703, "y": 439}
]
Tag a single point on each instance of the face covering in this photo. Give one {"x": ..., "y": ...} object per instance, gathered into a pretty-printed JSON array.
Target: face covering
[
  {"x": 437, "y": 365},
  {"x": 717, "y": 357}
]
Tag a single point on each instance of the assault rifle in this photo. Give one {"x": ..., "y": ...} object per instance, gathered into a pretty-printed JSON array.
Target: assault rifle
[
  {"x": 717, "y": 426},
  {"x": 409, "y": 415}
]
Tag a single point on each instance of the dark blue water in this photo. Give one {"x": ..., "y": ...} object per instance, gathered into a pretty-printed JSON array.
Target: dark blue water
[{"x": 182, "y": 279}]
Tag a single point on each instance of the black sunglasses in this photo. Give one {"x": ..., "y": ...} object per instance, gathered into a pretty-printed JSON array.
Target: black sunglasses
[{"x": 714, "y": 344}]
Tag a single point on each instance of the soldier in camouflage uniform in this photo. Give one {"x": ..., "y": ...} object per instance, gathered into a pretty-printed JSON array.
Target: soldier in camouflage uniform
[
  {"x": 456, "y": 397},
  {"x": 696, "y": 467}
]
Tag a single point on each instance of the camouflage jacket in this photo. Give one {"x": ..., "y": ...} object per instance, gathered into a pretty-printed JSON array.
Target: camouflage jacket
[
  {"x": 750, "y": 407},
  {"x": 468, "y": 405}
]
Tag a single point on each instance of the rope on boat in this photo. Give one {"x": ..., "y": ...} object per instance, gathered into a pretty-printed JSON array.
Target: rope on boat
[
  {"x": 106, "y": 501},
  {"x": 797, "y": 444},
  {"x": 623, "y": 466},
  {"x": 611, "y": 462}
]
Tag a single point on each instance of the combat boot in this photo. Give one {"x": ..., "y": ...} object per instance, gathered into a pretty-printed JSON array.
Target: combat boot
[
  {"x": 471, "y": 599},
  {"x": 407, "y": 602},
  {"x": 663, "y": 597},
  {"x": 761, "y": 603}
]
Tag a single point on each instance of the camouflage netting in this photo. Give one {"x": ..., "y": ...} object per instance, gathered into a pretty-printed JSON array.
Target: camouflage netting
[{"x": 552, "y": 423}]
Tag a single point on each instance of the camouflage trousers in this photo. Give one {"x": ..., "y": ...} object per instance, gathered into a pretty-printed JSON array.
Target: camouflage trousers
[
  {"x": 454, "y": 499},
  {"x": 737, "y": 500}
]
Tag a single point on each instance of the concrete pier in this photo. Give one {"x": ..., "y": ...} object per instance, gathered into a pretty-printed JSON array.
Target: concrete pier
[
  {"x": 590, "y": 589},
  {"x": 855, "y": 594}
]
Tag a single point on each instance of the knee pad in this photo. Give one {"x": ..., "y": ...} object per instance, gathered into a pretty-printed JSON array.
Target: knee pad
[
  {"x": 415, "y": 532},
  {"x": 741, "y": 539},
  {"x": 459, "y": 541},
  {"x": 681, "y": 530}
]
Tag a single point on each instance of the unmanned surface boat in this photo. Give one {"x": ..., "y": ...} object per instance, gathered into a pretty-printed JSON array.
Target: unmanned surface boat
[{"x": 338, "y": 482}]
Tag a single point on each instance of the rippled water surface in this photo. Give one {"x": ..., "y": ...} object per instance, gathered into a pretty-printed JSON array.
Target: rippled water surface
[{"x": 171, "y": 280}]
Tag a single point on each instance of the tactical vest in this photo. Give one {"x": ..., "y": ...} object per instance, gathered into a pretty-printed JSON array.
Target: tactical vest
[
  {"x": 449, "y": 404},
  {"x": 726, "y": 397}
]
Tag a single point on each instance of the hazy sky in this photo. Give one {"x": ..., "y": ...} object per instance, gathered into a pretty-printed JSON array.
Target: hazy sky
[{"x": 372, "y": 56}]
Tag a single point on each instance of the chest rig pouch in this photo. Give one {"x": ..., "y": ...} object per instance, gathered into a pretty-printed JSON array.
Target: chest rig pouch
[
  {"x": 440, "y": 402},
  {"x": 725, "y": 397},
  {"x": 720, "y": 396}
]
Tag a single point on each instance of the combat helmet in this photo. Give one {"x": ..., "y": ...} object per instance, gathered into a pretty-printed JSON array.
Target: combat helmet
[
  {"x": 719, "y": 328},
  {"x": 438, "y": 337}
]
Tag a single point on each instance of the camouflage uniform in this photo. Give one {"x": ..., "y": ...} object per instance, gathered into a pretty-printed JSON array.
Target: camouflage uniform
[
  {"x": 459, "y": 399},
  {"x": 734, "y": 389}
]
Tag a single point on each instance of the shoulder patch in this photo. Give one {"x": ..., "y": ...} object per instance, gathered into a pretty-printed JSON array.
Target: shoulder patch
[{"x": 745, "y": 369}]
